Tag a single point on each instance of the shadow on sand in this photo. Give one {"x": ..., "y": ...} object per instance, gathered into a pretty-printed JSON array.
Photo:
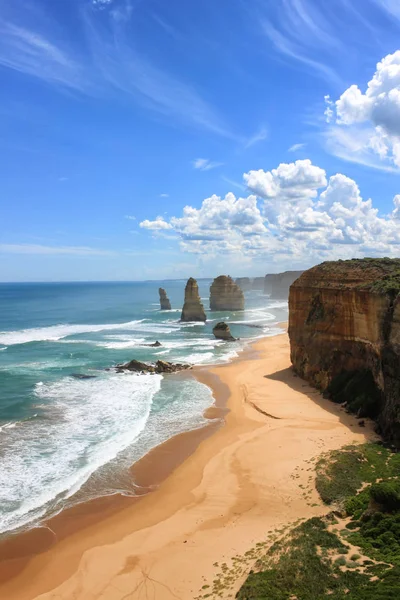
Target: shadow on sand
[{"x": 290, "y": 378}]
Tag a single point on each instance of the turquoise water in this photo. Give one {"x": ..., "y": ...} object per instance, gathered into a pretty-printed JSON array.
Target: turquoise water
[{"x": 63, "y": 438}]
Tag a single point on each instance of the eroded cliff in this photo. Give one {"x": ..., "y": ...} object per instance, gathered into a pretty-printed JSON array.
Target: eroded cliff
[
  {"x": 344, "y": 329},
  {"x": 276, "y": 285}
]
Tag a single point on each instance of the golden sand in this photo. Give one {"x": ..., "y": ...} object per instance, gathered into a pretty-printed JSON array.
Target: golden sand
[{"x": 218, "y": 495}]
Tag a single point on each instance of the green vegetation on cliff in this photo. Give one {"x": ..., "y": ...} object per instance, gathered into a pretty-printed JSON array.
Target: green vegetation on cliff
[
  {"x": 380, "y": 275},
  {"x": 356, "y": 558}
]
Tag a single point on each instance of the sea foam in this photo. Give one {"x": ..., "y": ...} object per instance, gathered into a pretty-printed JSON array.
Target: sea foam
[{"x": 83, "y": 424}]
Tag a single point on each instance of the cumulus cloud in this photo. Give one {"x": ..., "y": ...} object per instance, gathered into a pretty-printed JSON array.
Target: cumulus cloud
[
  {"x": 158, "y": 224},
  {"x": 294, "y": 214},
  {"x": 372, "y": 116},
  {"x": 290, "y": 181}
]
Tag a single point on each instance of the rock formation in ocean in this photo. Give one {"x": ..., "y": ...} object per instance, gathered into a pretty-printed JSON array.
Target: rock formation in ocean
[
  {"x": 164, "y": 300},
  {"x": 225, "y": 294},
  {"x": 244, "y": 283},
  {"x": 222, "y": 332},
  {"x": 192, "y": 310},
  {"x": 277, "y": 285},
  {"x": 344, "y": 329},
  {"x": 160, "y": 367}
]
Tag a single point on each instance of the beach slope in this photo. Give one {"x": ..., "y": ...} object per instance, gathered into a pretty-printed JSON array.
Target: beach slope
[{"x": 243, "y": 481}]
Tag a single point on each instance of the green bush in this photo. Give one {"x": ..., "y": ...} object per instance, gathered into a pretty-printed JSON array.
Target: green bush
[{"x": 386, "y": 494}]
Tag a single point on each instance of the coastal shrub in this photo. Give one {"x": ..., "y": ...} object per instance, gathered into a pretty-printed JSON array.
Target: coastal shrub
[
  {"x": 299, "y": 570},
  {"x": 341, "y": 473},
  {"x": 386, "y": 494},
  {"x": 356, "y": 505},
  {"x": 302, "y": 566},
  {"x": 379, "y": 537}
]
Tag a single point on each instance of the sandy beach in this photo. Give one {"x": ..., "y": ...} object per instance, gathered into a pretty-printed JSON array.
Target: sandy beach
[{"x": 220, "y": 491}]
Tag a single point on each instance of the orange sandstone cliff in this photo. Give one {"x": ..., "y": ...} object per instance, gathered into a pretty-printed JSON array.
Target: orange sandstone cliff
[{"x": 344, "y": 329}]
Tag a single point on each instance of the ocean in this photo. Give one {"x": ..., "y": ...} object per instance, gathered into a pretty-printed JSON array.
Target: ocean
[{"x": 64, "y": 438}]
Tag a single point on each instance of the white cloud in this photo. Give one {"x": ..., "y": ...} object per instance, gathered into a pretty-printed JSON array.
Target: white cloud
[
  {"x": 35, "y": 54},
  {"x": 158, "y": 224},
  {"x": 371, "y": 119},
  {"x": 164, "y": 195},
  {"x": 300, "y": 179},
  {"x": 294, "y": 217},
  {"x": 296, "y": 147},
  {"x": 204, "y": 164},
  {"x": 130, "y": 217},
  {"x": 102, "y": 60},
  {"x": 102, "y": 3},
  {"x": 259, "y": 136}
]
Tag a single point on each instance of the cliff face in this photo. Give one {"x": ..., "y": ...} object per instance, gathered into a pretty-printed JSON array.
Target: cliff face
[
  {"x": 258, "y": 283},
  {"x": 225, "y": 294},
  {"x": 193, "y": 309},
  {"x": 277, "y": 284},
  {"x": 165, "y": 304},
  {"x": 244, "y": 283},
  {"x": 344, "y": 329}
]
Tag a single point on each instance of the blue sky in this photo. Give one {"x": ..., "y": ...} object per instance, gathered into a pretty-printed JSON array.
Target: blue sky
[{"x": 276, "y": 123}]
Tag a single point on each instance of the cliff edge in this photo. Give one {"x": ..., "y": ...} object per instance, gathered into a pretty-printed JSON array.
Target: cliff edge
[{"x": 344, "y": 329}]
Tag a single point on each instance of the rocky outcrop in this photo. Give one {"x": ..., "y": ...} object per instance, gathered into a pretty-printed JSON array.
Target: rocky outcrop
[
  {"x": 222, "y": 332},
  {"x": 192, "y": 310},
  {"x": 277, "y": 285},
  {"x": 159, "y": 367},
  {"x": 164, "y": 300},
  {"x": 244, "y": 283},
  {"x": 225, "y": 294},
  {"x": 344, "y": 329}
]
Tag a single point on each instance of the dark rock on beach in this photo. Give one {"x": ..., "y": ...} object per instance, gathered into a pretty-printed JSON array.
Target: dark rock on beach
[{"x": 159, "y": 367}]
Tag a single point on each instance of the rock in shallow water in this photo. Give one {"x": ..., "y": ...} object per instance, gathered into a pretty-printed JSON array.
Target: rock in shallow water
[
  {"x": 159, "y": 367},
  {"x": 165, "y": 304},
  {"x": 222, "y": 332},
  {"x": 225, "y": 294}
]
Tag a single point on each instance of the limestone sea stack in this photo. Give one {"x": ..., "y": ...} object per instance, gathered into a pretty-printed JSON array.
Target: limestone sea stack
[
  {"x": 344, "y": 329},
  {"x": 225, "y": 294},
  {"x": 222, "y": 332},
  {"x": 164, "y": 300},
  {"x": 192, "y": 310}
]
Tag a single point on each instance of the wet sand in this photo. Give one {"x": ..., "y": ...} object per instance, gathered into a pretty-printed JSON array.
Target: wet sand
[{"x": 214, "y": 496}]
